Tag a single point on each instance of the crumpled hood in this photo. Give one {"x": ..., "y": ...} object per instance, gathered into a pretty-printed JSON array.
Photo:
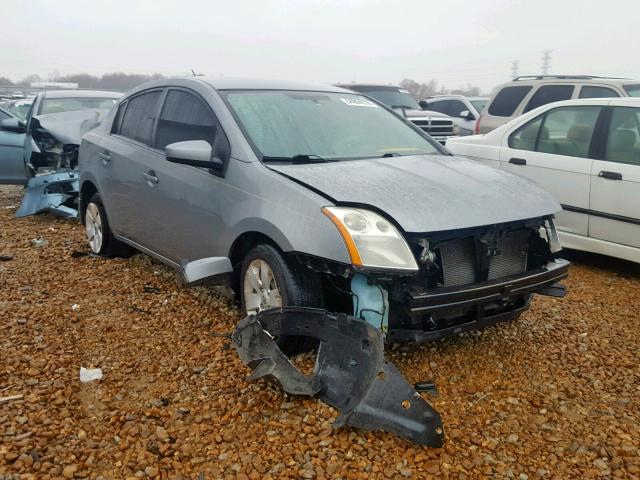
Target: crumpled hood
[
  {"x": 69, "y": 127},
  {"x": 428, "y": 193}
]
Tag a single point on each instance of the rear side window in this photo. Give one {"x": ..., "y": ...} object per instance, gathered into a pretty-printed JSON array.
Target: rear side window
[
  {"x": 549, "y": 94},
  {"x": 623, "y": 142},
  {"x": 184, "y": 117},
  {"x": 139, "y": 117},
  {"x": 507, "y": 100},
  {"x": 588, "y": 91}
]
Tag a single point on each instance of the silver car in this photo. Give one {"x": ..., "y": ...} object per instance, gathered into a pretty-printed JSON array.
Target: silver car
[{"x": 315, "y": 196}]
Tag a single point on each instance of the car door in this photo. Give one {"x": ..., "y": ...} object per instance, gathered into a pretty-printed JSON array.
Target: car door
[
  {"x": 127, "y": 163},
  {"x": 615, "y": 180},
  {"x": 184, "y": 199},
  {"x": 456, "y": 107},
  {"x": 553, "y": 150},
  {"x": 13, "y": 169}
]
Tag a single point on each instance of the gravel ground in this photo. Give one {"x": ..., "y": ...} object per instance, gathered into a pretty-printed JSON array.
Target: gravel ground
[{"x": 554, "y": 394}]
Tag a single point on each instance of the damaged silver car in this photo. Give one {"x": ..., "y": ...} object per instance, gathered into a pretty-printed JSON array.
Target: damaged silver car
[
  {"x": 41, "y": 151},
  {"x": 337, "y": 223}
]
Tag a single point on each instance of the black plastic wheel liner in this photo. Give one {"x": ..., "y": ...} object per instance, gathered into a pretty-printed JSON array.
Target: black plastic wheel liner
[{"x": 350, "y": 374}]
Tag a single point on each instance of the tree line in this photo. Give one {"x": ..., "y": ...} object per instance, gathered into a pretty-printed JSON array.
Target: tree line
[
  {"x": 126, "y": 81},
  {"x": 109, "y": 81}
]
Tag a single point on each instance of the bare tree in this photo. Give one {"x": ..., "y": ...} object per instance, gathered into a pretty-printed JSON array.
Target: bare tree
[{"x": 5, "y": 82}]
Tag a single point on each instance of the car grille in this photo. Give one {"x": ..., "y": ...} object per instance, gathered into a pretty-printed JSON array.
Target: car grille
[
  {"x": 469, "y": 260},
  {"x": 435, "y": 128}
]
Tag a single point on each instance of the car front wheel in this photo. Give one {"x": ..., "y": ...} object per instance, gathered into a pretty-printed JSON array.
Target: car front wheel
[
  {"x": 268, "y": 281},
  {"x": 99, "y": 236}
]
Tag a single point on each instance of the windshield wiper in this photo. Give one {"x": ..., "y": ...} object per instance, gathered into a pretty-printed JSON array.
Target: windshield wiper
[
  {"x": 300, "y": 158},
  {"x": 390, "y": 154}
]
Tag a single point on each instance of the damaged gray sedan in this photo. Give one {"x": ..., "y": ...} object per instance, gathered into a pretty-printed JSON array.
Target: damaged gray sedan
[
  {"x": 41, "y": 151},
  {"x": 321, "y": 207}
]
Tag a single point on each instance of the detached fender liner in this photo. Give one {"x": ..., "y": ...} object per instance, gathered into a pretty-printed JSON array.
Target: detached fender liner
[{"x": 351, "y": 373}]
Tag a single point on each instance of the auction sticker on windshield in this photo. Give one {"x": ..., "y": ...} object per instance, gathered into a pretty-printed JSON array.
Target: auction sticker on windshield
[{"x": 358, "y": 102}]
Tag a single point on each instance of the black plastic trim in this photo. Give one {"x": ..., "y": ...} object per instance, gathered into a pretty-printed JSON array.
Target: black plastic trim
[
  {"x": 447, "y": 298},
  {"x": 595, "y": 213}
]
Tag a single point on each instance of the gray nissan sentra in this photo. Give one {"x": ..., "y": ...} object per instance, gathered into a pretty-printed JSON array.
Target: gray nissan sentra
[{"x": 315, "y": 196}]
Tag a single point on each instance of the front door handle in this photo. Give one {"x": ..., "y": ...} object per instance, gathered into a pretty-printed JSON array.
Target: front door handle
[
  {"x": 105, "y": 157},
  {"x": 610, "y": 175},
  {"x": 518, "y": 161},
  {"x": 150, "y": 176}
]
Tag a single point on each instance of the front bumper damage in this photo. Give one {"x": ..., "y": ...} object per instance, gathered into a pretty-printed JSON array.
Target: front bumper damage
[
  {"x": 350, "y": 374},
  {"x": 55, "y": 193}
]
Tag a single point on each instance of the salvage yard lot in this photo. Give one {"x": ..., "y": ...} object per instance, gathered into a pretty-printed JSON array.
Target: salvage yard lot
[{"x": 554, "y": 394}]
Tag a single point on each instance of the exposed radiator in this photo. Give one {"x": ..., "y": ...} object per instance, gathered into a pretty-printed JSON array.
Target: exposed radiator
[{"x": 462, "y": 264}]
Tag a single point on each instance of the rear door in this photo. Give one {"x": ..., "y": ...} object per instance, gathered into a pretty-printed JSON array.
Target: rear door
[
  {"x": 13, "y": 170},
  {"x": 615, "y": 180},
  {"x": 553, "y": 150},
  {"x": 128, "y": 166}
]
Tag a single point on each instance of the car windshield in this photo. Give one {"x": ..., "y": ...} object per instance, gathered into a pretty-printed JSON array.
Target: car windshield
[
  {"x": 323, "y": 126},
  {"x": 479, "y": 104},
  {"x": 391, "y": 97},
  {"x": 68, "y": 104},
  {"x": 633, "y": 90}
]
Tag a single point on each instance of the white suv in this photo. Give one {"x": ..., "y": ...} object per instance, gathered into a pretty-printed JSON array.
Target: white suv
[
  {"x": 587, "y": 154},
  {"x": 523, "y": 94}
]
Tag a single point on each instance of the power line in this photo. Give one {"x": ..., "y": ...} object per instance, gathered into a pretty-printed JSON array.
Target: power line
[
  {"x": 515, "y": 67},
  {"x": 546, "y": 61}
]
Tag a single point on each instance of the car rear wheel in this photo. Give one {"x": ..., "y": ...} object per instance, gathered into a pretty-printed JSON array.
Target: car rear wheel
[
  {"x": 268, "y": 281},
  {"x": 99, "y": 236}
]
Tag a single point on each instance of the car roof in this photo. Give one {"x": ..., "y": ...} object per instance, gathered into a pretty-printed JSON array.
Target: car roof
[
  {"x": 541, "y": 79},
  {"x": 240, "y": 83},
  {"x": 369, "y": 85},
  {"x": 80, "y": 94},
  {"x": 235, "y": 83}
]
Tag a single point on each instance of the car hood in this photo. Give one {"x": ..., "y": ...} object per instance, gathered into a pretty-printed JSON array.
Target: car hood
[
  {"x": 427, "y": 193},
  {"x": 69, "y": 127}
]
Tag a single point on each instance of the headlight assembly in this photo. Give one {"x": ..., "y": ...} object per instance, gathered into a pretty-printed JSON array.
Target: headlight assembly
[{"x": 372, "y": 241}]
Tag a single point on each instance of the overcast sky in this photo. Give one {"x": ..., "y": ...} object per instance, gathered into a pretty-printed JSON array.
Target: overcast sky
[{"x": 454, "y": 42}]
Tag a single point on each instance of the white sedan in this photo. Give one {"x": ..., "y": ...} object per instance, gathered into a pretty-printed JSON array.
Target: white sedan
[{"x": 587, "y": 154}]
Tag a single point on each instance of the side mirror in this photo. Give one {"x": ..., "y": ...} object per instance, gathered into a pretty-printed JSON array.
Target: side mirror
[
  {"x": 424, "y": 104},
  {"x": 12, "y": 125},
  {"x": 467, "y": 115},
  {"x": 196, "y": 153}
]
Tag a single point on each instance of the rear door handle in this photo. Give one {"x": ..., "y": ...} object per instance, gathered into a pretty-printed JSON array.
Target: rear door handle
[
  {"x": 150, "y": 176},
  {"x": 610, "y": 175},
  {"x": 105, "y": 157},
  {"x": 518, "y": 161}
]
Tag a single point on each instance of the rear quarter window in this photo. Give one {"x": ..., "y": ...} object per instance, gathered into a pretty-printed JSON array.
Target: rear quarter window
[{"x": 507, "y": 100}]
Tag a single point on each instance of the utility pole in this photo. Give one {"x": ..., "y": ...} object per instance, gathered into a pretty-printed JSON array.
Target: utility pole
[
  {"x": 546, "y": 61},
  {"x": 515, "y": 67}
]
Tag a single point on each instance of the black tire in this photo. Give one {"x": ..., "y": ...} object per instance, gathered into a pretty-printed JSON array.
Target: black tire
[
  {"x": 298, "y": 287},
  {"x": 110, "y": 246}
]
